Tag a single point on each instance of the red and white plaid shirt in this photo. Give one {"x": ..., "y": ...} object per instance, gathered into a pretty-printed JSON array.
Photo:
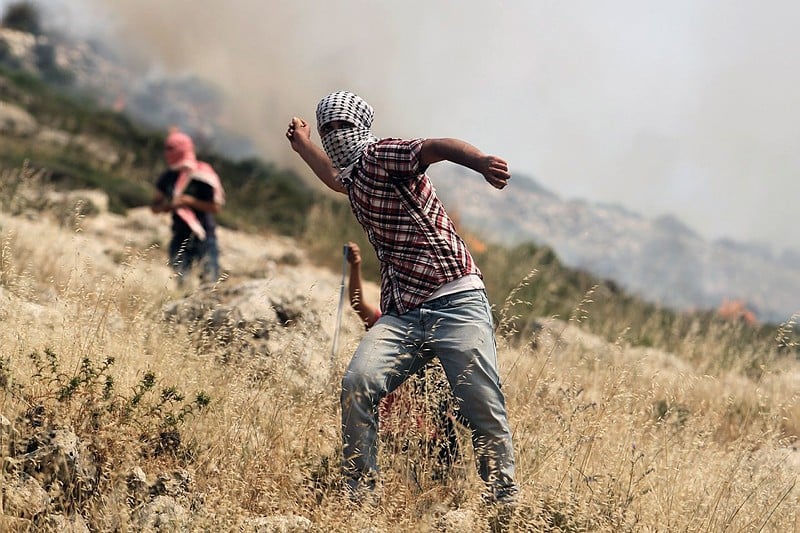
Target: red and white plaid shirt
[{"x": 416, "y": 242}]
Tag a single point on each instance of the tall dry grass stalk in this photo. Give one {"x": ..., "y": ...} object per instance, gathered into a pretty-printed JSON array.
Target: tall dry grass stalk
[{"x": 608, "y": 437}]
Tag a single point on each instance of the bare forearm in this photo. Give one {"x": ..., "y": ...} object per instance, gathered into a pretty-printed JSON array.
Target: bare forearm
[
  {"x": 494, "y": 169},
  {"x": 454, "y": 150},
  {"x": 198, "y": 205},
  {"x": 366, "y": 312},
  {"x": 321, "y": 165},
  {"x": 354, "y": 289}
]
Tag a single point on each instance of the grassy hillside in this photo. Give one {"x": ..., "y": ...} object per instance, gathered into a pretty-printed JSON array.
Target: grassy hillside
[
  {"x": 264, "y": 197},
  {"x": 203, "y": 421}
]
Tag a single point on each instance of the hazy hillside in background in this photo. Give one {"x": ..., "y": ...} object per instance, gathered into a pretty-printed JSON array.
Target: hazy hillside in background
[{"x": 658, "y": 259}]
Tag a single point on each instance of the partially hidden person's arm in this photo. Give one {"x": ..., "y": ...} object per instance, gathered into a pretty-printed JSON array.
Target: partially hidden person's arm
[
  {"x": 199, "y": 196},
  {"x": 368, "y": 314},
  {"x": 494, "y": 169},
  {"x": 185, "y": 200},
  {"x": 299, "y": 135}
]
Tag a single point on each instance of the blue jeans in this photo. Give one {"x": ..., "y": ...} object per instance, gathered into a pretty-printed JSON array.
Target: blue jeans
[
  {"x": 184, "y": 252},
  {"x": 457, "y": 329}
]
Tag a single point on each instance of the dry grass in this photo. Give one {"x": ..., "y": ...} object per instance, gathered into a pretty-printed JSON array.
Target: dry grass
[{"x": 607, "y": 437}]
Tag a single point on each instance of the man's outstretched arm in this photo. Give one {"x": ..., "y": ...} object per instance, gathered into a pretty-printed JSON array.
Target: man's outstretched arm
[
  {"x": 299, "y": 135},
  {"x": 494, "y": 169}
]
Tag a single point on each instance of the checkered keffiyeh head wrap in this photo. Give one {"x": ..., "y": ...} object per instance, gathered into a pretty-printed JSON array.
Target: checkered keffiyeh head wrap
[{"x": 344, "y": 146}]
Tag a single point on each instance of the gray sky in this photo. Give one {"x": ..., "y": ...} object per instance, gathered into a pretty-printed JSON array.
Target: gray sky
[{"x": 687, "y": 107}]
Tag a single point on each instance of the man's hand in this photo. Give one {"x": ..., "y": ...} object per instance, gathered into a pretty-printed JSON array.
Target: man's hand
[
  {"x": 495, "y": 171},
  {"x": 298, "y": 133},
  {"x": 353, "y": 253}
]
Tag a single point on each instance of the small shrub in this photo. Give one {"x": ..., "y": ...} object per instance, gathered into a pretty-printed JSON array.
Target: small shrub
[{"x": 90, "y": 398}]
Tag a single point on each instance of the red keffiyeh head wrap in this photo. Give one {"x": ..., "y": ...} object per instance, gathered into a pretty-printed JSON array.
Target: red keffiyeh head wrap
[{"x": 179, "y": 150}]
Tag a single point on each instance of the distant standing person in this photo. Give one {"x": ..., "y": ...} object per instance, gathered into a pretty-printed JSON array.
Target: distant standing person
[
  {"x": 193, "y": 193},
  {"x": 432, "y": 415},
  {"x": 432, "y": 294}
]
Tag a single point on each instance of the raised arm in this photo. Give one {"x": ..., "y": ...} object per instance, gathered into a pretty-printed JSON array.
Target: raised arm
[
  {"x": 368, "y": 314},
  {"x": 494, "y": 169},
  {"x": 299, "y": 135}
]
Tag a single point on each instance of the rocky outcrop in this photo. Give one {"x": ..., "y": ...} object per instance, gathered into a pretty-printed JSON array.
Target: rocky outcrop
[
  {"x": 16, "y": 121},
  {"x": 46, "y": 471},
  {"x": 259, "y": 318},
  {"x": 19, "y": 49},
  {"x": 94, "y": 69},
  {"x": 34, "y": 484},
  {"x": 167, "y": 502}
]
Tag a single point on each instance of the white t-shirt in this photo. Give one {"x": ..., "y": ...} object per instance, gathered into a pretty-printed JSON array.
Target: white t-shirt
[{"x": 466, "y": 283}]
